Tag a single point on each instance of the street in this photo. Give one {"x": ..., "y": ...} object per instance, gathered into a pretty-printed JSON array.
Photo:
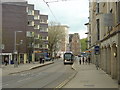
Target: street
[{"x": 49, "y": 76}]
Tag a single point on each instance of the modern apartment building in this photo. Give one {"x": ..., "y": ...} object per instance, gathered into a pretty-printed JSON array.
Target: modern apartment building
[
  {"x": 44, "y": 34},
  {"x": 74, "y": 41},
  {"x": 21, "y": 32},
  {"x": 104, "y": 28},
  {"x": 37, "y": 40},
  {"x": 30, "y": 32},
  {"x": 37, "y": 34}
]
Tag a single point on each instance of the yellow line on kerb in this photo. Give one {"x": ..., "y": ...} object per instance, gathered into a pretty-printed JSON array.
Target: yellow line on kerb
[
  {"x": 66, "y": 81},
  {"x": 62, "y": 84}
]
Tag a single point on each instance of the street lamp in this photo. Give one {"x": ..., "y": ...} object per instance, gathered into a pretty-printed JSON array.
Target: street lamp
[{"x": 15, "y": 51}]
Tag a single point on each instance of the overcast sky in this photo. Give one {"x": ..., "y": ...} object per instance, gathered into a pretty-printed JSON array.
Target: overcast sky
[{"x": 73, "y": 13}]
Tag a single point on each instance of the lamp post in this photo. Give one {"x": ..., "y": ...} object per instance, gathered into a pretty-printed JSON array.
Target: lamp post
[{"x": 15, "y": 51}]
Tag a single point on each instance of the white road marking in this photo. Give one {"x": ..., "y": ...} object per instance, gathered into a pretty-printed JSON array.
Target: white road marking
[
  {"x": 5, "y": 84},
  {"x": 23, "y": 80}
]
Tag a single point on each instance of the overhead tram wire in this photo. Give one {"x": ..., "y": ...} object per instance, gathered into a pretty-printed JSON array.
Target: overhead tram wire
[
  {"x": 59, "y": 1},
  {"x": 50, "y": 10}
]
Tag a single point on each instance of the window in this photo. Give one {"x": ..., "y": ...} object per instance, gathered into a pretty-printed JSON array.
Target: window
[
  {"x": 29, "y": 12},
  {"x": 43, "y": 21},
  {"x": 40, "y": 46},
  {"x": 110, "y": 27},
  {"x": 118, "y": 12},
  {"x": 30, "y": 23},
  {"x": 36, "y": 26},
  {"x": 28, "y": 34},
  {"x": 98, "y": 29},
  {"x": 36, "y": 17},
  {"x": 97, "y": 8},
  {"x": 36, "y": 46},
  {"x": 44, "y": 38},
  {"x": 43, "y": 29},
  {"x": 44, "y": 46},
  {"x": 27, "y": 9}
]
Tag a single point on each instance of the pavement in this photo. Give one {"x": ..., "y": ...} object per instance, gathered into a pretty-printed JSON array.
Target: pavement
[
  {"x": 89, "y": 77},
  {"x": 10, "y": 69}
]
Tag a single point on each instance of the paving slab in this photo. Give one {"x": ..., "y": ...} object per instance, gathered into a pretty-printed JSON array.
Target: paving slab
[
  {"x": 10, "y": 69},
  {"x": 89, "y": 77}
]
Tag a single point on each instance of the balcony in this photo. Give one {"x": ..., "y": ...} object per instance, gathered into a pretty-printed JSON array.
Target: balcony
[
  {"x": 44, "y": 19},
  {"x": 30, "y": 23},
  {"x": 36, "y": 17},
  {"x": 36, "y": 27},
  {"x": 30, "y": 6},
  {"x": 43, "y": 30},
  {"x": 37, "y": 22},
  {"x": 30, "y": 12},
  {"x": 36, "y": 12},
  {"x": 30, "y": 34},
  {"x": 36, "y": 46}
]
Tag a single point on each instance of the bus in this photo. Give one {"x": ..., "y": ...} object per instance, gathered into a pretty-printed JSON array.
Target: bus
[{"x": 68, "y": 58}]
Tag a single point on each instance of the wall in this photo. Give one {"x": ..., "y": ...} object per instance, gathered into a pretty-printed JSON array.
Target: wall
[{"x": 14, "y": 19}]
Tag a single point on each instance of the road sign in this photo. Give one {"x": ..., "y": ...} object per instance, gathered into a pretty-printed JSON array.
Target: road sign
[
  {"x": 2, "y": 46},
  {"x": 97, "y": 50}
]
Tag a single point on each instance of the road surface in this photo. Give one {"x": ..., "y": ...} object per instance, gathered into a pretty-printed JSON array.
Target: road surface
[{"x": 49, "y": 76}]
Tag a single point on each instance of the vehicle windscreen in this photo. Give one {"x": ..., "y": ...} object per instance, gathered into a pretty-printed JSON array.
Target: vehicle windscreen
[{"x": 67, "y": 56}]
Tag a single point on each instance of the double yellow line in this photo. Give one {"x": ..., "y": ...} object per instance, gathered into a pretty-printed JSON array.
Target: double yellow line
[
  {"x": 62, "y": 84},
  {"x": 67, "y": 80}
]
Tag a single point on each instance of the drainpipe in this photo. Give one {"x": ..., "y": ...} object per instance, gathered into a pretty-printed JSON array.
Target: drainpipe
[
  {"x": 118, "y": 57},
  {"x": 0, "y": 33}
]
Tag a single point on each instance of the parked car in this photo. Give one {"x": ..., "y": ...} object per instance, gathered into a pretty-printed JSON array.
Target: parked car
[{"x": 47, "y": 58}]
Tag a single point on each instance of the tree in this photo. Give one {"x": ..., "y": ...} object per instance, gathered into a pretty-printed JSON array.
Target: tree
[
  {"x": 83, "y": 44},
  {"x": 55, "y": 34}
]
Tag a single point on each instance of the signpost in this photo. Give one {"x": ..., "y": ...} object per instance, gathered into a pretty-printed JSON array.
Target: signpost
[{"x": 97, "y": 52}]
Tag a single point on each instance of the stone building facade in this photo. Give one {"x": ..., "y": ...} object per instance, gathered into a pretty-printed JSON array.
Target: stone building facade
[{"x": 104, "y": 29}]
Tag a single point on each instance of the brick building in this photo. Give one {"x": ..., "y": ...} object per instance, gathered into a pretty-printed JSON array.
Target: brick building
[
  {"x": 14, "y": 21},
  {"x": 74, "y": 41}
]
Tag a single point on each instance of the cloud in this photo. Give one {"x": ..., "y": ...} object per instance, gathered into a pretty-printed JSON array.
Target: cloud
[{"x": 74, "y": 13}]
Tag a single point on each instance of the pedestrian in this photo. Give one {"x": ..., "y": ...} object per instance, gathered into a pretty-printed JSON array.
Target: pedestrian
[
  {"x": 86, "y": 60},
  {"x": 83, "y": 60},
  {"x": 80, "y": 61},
  {"x": 43, "y": 59},
  {"x": 89, "y": 60},
  {"x": 6, "y": 61},
  {"x": 40, "y": 60}
]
